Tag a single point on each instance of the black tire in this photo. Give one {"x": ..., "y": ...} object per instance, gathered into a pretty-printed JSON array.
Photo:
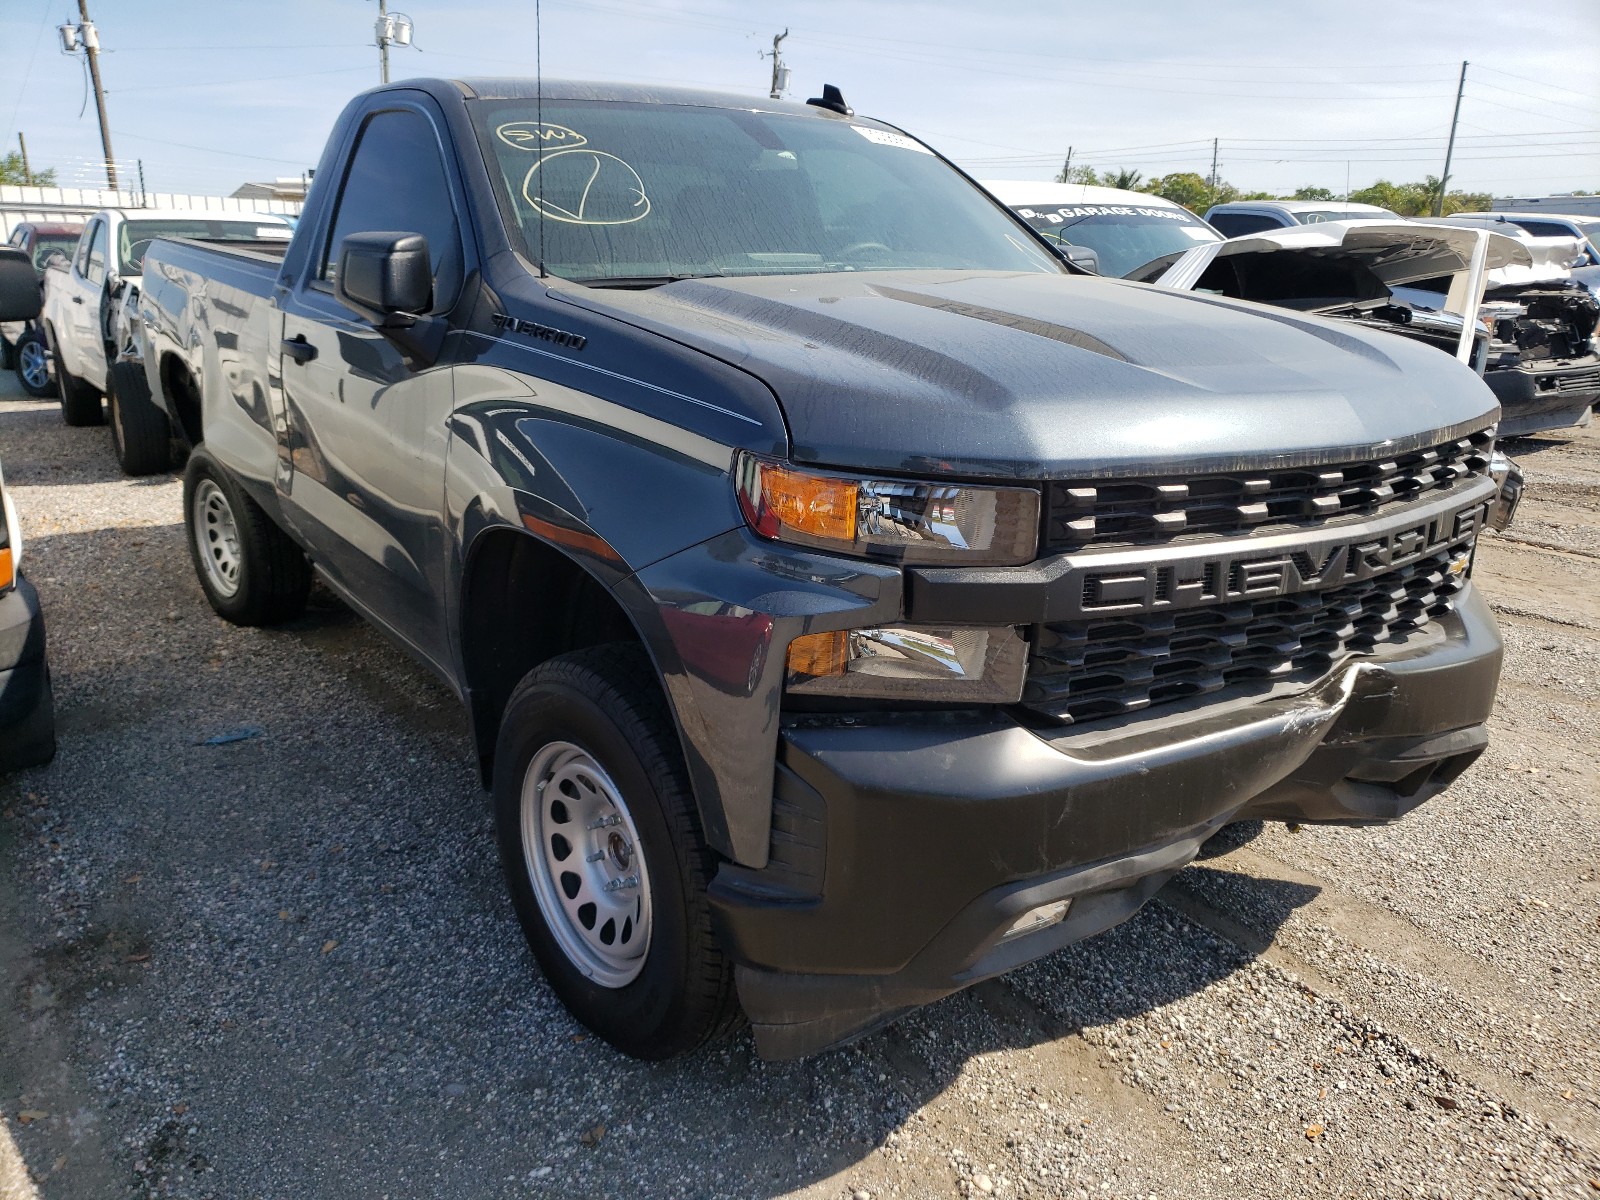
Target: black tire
[
  {"x": 80, "y": 402},
  {"x": 32, "y": 356},
  {"x": 31, "y": 741},
  {"x": 141, "y": 435},
  {"x": 271, "y": 577},
  {"x": 8, "y": 353},
  {"x": 607, "y": 701}
]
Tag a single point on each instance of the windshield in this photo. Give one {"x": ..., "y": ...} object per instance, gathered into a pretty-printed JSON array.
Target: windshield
[
  {"x": 1125, "y": 237},
  {"x": 136, "y": 236},
  {"x": 645, "y": 193},
  {"x": 46, "y": 245},
  {"x": 1316, "y": 216}
]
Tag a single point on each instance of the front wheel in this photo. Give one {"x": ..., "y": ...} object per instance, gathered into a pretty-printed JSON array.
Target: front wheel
[
  {"x": 33, "y": 365},
  {"x": 250, "y": 570},
  {"x": 603, "y": 854}
]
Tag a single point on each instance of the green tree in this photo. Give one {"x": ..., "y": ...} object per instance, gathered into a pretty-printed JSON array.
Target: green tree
[
  {"x": 1188, "y": 189},
  {"x": 11, "y": 172},
  {"x": 1123, "y": 178},
  {"x": 1312, "y": 193},
  {"x": 1407, "y": 199},
  {"x": 1078, "y": 174}
]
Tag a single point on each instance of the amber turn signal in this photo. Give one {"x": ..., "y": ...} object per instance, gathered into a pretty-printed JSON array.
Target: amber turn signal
[
  {"x": 817, "y": 655},
  {"x": 8, "y": 571},
  {"x": 779, "y": 501}
]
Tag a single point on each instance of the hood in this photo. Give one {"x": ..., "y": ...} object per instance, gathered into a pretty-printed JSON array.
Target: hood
[
  {"x": 991, "y": 374},
  {"x": 1391, "y": 252}
]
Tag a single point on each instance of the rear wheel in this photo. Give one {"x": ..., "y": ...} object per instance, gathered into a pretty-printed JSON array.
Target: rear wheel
[
  {"x": 80, "y": 401},
  {"x": 140, "y": 432},
  {"x": 603, "y": 853},
  {"x": 250, "y": 570},
  {"x": 33, "y": 364}
]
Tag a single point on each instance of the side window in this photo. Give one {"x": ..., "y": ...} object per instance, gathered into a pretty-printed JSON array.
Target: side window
[
  {"x": 1238, "y": 224},
  {"x": 80, "y": 257},
  {"x": 1545, "y": 229},
  {"x": 397, "y": 182},
  {"x": 95, "y": 268}
]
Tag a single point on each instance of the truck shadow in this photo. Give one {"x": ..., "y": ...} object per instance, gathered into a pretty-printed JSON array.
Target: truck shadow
[{"x": 322, "y": 935}]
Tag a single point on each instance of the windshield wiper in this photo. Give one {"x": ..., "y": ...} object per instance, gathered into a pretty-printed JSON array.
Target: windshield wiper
[{"x": 637, "y": 281}]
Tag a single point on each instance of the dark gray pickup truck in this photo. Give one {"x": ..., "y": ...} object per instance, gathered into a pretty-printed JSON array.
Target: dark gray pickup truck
[{"x": 851, "y": 602}]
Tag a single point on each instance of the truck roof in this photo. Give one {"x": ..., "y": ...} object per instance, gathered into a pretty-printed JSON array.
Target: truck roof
[
  {"x": 523, "y": 88},
  {"x": 1294, "y": 206},
  {"x": 191, "y": 214},
  {"x": 1024, "y": 191}
]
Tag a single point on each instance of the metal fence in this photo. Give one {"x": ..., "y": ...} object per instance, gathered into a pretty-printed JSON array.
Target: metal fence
[{"x": 75, "y": 204}]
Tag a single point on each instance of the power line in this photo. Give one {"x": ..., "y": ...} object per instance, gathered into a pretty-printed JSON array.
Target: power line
[
  {"x": 165, "y": 87},
  {"x": 1587, "y": 109},
  {"x": 139, "y": 137},
  {"x": 1540, "y": 83}
]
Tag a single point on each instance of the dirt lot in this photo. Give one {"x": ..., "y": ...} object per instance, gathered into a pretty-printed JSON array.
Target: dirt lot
[{"x": 283, "y": 966}]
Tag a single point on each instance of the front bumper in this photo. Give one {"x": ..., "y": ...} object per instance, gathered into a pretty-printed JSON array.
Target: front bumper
[
  {"x": 27, "y": 711},
  {"x": 904, "y": 848},
  {"x": 1533, "y": 399}
]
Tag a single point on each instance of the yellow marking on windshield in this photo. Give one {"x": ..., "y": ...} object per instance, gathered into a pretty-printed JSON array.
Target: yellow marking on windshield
[{"x": 531, "y": 135}]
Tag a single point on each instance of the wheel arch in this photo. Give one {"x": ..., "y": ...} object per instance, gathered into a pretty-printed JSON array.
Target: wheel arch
[
  {"x": 180, "y": 393},
  {"x": 512, "y": 577}
]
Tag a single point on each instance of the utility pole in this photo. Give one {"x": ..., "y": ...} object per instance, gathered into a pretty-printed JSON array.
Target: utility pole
[
  {"x": 1066, "y": 167},
  {"x": 84, "y": 34},
  {"x": 27, "y": 171},
  {"x": 1214, "y": 170},
  {"x": 389, "y": 30},
  {"x": 1450, "y": 147},
  {"x": 383, "y": 40},
  {"x": 780, "y": 73}
]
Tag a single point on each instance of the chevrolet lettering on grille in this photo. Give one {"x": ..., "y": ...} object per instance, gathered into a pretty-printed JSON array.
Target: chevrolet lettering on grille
[{"x": 1150, "y": 581}]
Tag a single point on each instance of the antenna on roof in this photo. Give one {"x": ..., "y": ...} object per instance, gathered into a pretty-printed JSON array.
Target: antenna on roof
[
  {"x": 832, "y": 99},
  {"x": 538, "y": 116}
]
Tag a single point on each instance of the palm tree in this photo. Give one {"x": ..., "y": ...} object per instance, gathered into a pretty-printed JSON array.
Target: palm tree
[{"x": 1125, "y": 179}]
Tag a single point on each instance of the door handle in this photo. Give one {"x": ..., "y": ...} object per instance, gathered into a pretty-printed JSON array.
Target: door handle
[{"x": 299, "y": 349}]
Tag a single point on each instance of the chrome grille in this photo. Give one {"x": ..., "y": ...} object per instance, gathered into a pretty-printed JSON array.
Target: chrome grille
[
  {"x": 1157, "y": 510},
  {"x": 1085, "y": 670}
]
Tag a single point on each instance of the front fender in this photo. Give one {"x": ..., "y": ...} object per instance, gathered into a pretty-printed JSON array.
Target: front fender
[{"x": 718, "y": 618}]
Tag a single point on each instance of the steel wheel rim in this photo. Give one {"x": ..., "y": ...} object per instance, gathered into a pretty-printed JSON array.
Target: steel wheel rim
[
  {"x": 582, "y": 854},
  {"x": 216, "y": 537},
  {"x": 33, "y": 363}
]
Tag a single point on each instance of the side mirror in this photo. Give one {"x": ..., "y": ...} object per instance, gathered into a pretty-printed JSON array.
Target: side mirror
[
  {"x": 1083, "y": 258},
  {"x": 385, "y": 275},
  {"x": 19, "y": 286}
]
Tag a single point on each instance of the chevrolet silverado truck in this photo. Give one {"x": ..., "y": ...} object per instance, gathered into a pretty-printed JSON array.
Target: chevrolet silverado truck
[{"x": 851, "y": 601}]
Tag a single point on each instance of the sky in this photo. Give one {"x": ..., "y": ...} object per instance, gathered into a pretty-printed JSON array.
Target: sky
[{"x": 211, "y": 94}]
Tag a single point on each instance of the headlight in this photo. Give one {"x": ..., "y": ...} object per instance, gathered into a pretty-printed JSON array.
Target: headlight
[
  {"x": 911, "y": 662},
  {"x": 909, "y": 522}
]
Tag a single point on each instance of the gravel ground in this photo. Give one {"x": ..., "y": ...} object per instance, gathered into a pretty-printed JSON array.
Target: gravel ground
[{"x": 285, "y": 967}]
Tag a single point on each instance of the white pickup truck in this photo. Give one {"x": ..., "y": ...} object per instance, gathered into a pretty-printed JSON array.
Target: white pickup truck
[{"x": 85, "y": 294}]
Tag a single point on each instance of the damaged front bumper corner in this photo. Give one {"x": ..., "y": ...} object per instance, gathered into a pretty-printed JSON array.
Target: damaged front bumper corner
[{"x": 919, "y": 854}]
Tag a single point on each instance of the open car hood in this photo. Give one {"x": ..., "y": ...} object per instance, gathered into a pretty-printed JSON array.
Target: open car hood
[{"x": 1391, "y": 252}]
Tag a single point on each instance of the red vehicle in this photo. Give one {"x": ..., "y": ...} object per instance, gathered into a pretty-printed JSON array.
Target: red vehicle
[{"x": 20, "y": 345}]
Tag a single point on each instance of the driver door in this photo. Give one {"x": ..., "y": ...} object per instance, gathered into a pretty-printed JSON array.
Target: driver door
[{"x": 362, "y": 475}]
